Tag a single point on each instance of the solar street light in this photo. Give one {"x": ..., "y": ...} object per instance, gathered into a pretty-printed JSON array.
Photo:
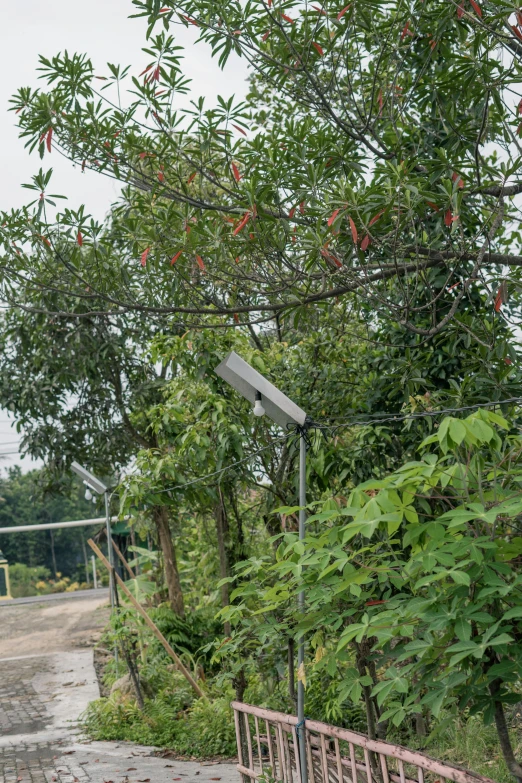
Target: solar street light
[
  {"x": 93, "y": 483},
  {"x": 268, "y": 399}
]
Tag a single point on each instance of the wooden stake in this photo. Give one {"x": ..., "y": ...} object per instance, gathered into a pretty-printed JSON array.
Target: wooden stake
[
  {"x": 120, "y": 555},
  {"x": 157, "y": 633}
]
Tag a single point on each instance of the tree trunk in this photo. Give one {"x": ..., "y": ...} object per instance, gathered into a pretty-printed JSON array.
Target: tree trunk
[
  {"x": 221, "y": 533},
  {"x": 161, "y": 520},
  {"x": 361, "y": 658},
  {"x": 503, "y": 732}
]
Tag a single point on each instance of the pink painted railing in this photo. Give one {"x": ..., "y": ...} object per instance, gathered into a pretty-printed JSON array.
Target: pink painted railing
[{"x": 268, "y": 748}]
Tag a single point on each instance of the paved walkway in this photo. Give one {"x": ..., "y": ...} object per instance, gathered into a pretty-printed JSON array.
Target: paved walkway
[
  {"x": 41, "y": 697},
  {"x": 101, "y": 592}
]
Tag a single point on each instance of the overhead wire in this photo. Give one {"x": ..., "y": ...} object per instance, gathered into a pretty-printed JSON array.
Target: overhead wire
[
  {"x": 379, "y": 418},
  {"x": 351, "y": 422},
  {"x": 228, "y": 467}
]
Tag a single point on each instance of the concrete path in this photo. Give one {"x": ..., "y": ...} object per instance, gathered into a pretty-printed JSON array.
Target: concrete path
[
  {"x": 102, "y": 592},
  {"x": 41, "y": 698}
]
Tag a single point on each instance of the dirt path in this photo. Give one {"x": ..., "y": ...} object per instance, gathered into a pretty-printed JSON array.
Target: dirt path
[{"x": 67, "y": 623}]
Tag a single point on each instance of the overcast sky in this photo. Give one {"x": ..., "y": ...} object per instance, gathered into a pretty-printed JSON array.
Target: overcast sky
[{"x": 102, "y": 29}]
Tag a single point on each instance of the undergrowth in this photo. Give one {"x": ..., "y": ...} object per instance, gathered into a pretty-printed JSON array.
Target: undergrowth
[{"x": 204, "y": 728}]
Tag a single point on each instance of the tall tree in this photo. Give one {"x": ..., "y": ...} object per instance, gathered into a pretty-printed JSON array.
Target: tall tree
[
  {"x": 25, "y": 499},
  {"x": 72, "y": 385},
  {"x": 377, "y": 153}
]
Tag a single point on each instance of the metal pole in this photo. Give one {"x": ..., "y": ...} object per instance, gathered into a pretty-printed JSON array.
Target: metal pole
[
  {"x": 94, "y": 575},
  {"x": 301, "y": 603},
  {"x": 112, "y": 587}
]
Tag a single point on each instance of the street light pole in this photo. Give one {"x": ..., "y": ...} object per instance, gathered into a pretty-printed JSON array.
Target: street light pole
[
  {"x": 112, "y": 578},
  {"x": 94, "y": 483},
  {"x": 301, "y": 604},
  {"x": 268, "y": 399}
]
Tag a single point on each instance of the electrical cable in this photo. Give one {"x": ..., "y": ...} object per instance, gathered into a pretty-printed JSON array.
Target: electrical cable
[
  {"x": 223, "y": 470},
  {"x": 318, "y": 425},
  {"x": 378, "y": 418}
]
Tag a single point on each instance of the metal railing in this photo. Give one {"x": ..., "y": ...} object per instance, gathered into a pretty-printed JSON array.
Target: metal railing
[{"x": 267, "y": 745}]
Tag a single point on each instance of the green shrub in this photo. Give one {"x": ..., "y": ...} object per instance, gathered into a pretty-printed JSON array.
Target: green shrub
[
  {"x": 205, "y": 729},
  {"x": 191, "y": 634},
  {"x": 27, "y": 581}
]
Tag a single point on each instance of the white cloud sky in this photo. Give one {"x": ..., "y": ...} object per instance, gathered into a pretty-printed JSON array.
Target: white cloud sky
[{"x": 102, "y": 29}]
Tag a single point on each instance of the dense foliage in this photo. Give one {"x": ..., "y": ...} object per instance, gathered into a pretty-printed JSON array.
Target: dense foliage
[
  {"x": 351, "y": 230},
  {"x": 24, "y": 500}
]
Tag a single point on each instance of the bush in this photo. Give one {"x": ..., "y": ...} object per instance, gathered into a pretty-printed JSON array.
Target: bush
[
  {"x": 27, "y": 581},
  {"x": 205, "y": 729},
  {"x": 191, "y": 634}
]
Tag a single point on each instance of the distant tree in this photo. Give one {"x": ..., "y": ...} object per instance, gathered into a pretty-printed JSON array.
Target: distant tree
[
  {"x": 73, "y": 385},
  {"x": 25, "y": 501}
]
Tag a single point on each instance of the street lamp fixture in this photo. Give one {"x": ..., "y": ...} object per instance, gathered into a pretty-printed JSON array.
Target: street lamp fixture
[
  {"x": 258, "y": 405},
  {"x": 268, "y": 399},
  {"x": 94, "y": 484},
  {"x": 87, "y": 477}
]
